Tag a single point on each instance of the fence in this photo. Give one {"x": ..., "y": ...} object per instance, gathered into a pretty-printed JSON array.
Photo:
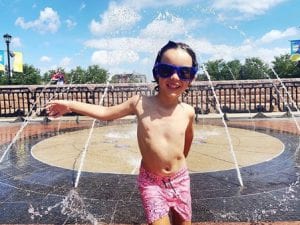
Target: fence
[{"x": 233, "y": 96}]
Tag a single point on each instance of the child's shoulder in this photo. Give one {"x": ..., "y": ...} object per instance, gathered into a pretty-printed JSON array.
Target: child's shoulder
[
  {"x": 138, "y": 98},
  {"x": 190, "y": 109}
]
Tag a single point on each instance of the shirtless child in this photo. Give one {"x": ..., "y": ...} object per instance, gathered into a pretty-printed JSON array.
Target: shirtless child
[{"x": 164, "y": 132}]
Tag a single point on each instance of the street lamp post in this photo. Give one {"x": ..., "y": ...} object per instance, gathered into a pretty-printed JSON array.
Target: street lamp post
[{"x": 7, "y": 39}]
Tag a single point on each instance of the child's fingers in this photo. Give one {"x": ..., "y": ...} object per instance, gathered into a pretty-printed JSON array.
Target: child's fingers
[
  {"x": 53, "y": 113},
  {"x": 56, "y": 108},
  {"x": 53, "y": 102},
  {"x": 49, "y": 107},
  {"x": 52, "y": 109}
]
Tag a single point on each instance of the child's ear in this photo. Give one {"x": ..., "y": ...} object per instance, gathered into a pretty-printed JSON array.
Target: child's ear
[{"x": 155, "y": 74}]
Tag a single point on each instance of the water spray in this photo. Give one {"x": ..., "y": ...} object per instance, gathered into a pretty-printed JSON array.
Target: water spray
[
  {"x": 226, "y": 128},
  {"x": 85, "y": 149}
]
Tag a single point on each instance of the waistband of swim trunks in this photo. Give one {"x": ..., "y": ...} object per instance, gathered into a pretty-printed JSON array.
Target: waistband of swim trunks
[{"x": 161, "y": 177}]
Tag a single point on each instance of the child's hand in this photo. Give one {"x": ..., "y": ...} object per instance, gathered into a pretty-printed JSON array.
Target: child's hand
[{"x": 57, "y": 108}]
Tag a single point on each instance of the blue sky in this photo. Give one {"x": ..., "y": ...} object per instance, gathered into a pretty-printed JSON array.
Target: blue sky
[{"x": 124, "y": 36}]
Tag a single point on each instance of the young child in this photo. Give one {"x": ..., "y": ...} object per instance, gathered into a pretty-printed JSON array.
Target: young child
[{"x": 164, "y": 132}]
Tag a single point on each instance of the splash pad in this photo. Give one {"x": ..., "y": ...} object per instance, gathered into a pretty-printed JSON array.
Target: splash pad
[
  {"x": 40, "y": 190},
  {"x": 114, "y": 149}
]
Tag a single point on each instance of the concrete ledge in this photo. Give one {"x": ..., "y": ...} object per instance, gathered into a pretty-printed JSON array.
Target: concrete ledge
[{"x": 200, "y": 116}]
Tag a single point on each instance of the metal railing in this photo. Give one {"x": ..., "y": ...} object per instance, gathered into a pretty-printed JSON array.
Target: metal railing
[{"x": 233, "y": 96}]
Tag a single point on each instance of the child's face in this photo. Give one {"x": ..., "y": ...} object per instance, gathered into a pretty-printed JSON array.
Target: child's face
[{"x": 174, "y": 85}]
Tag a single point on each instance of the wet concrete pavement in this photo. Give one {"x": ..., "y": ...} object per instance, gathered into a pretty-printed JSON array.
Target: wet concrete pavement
[{"x": 35, "y": 192}]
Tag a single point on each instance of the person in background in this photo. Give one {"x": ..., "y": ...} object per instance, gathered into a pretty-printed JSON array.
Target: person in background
[{"x": 58, "y": 78}]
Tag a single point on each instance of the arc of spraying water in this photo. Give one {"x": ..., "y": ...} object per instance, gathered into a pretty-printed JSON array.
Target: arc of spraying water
[
  {"x": 289, "y": 109},
  {"x": 85, "y": 148},
  {"x": 226, "y": 128},
  {"x": 281, "y": 97},
  {"x": 29, "y": 116},
  {"x": 243, "y": 97},
  {"x": 54, "y": 96},
  {"x": 285, "y": 89}
]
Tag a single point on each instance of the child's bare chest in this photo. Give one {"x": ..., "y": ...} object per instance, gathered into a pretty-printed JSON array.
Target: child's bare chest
[
  {"x": 155, "y": 120},
  {"x": 164, "y": 127}
]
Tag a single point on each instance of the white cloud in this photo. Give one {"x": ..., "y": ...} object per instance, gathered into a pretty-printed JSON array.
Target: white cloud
[
  {"x": 48, "y": 21},
  {"x": 111, "y": 58},
  {"x": 16, "y": 42},
  {"x": 123, "y": 53},
  {"x": 82, "y": 6},
  {"x": 147, "y": 61},
  {"x": 165, "y": 26},
  {"x": 141, "y": 50},
  {"x": 268, "y": 54},
  {"x": 253, "y": 7},
  {"x": 45, "y": 59},
  {"x": 118, "y": 17},
  {"x": 126, "y": 44},
  {"x": 149, "y": 40},
  {"x": 115, "y": 51},
  {"x": 65, "y": 62},
  {"x": 141, "y": 4},
  {"x": 274, "y": 35},
  {"x": 70, "y": 23},
  {"x": 207, "y": 50}
]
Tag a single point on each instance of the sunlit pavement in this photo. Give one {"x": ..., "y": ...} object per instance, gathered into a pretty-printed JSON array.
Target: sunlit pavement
[{"x": 29, "y": 187}]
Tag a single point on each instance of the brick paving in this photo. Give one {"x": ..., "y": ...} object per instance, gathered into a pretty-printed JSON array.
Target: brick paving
[{"x": 285, "y": 125}]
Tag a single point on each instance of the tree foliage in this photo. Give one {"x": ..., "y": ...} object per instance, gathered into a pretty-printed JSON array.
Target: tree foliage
[
  {"x": 47, "y": 75},
  {"x": 95, "y": 74},
  {"x": 77, "y": 76},
  {"x": 30, "y": 75},
  {"x": 285, "y": 68},
  {"x": 252, "y": 68},
  {"x": 92, "y": 75}
]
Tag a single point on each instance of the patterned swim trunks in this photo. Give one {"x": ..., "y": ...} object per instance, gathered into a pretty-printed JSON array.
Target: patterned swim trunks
[{"x": 160, "y": 193}]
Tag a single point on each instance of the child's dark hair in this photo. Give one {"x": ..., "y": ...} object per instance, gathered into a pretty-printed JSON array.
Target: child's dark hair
[{"x": 175, "y": 45}]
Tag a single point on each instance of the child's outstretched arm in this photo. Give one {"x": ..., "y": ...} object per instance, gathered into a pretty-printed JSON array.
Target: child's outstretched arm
[{"x": 58, "y": 108}]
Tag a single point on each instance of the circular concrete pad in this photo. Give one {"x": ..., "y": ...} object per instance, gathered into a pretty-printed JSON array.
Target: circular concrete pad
[{"x": 114, "y": 149}]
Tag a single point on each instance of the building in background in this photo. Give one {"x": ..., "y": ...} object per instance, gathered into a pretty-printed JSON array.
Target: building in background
[{"x": 129, "y": 78}]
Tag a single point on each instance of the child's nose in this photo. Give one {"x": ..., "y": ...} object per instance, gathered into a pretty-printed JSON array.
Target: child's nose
[{"x": 175, "y": 75}]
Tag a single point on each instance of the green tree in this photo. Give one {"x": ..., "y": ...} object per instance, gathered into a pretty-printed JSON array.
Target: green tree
[
  {"x": 213, "y": 69},
  {"x": 95, "y": 74},
  {"x": 284, "y": 67},
  {"x": 3, "y": 78},
  {"x": 30, "y": 75},
  {"x": 47, "y": 75},
  {"x": 77, "y": 75},
  {"x": 221, "y": 70},
  {"x": 254, "y": 68},
  {"x": 232, "y": 70}
]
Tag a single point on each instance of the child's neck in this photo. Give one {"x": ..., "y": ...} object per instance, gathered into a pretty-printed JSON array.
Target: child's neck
[{"x": 166, "y": 101}]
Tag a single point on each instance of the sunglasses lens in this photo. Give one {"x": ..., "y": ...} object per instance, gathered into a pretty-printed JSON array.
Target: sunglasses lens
[
  {"x": 165, "y": 70},
  {"x": 186, "y": 73}
]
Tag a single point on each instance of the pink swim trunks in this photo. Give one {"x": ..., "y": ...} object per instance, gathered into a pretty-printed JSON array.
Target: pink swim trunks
[{"x": 160, "y": 193}]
